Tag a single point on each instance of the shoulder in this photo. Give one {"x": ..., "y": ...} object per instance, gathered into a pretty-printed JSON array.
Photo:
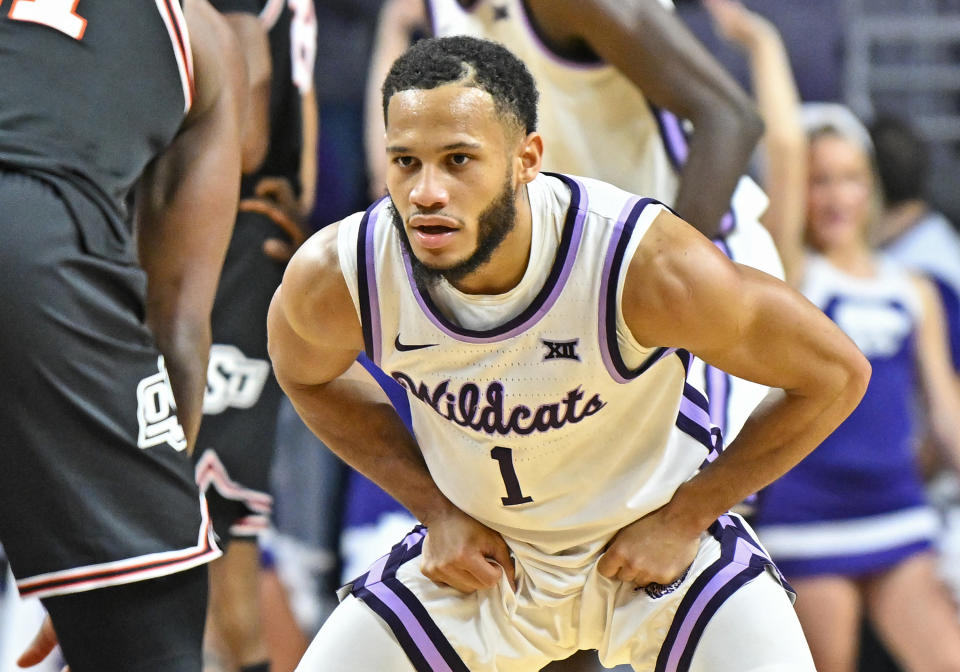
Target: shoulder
[
  {"x": 314, "y": 296},
  {"x": 674, "y": 273},
  {"x": 218, "y": 65}
]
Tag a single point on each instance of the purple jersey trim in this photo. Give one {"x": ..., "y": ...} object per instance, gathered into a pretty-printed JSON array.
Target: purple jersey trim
[
  {"x": 717, "y": 382},
  {"x": 548, "y": 295},
  {"x": 694, "y": 421},
  {"x": 367, "y": 281},
  {"x": 609, "y": 283},
  {"x": 741, "y": 560},
  {"x": 426, "y": 646}
]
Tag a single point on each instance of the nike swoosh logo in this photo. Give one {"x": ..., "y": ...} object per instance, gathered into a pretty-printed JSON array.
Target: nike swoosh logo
[{"x": 402, "y": 347}]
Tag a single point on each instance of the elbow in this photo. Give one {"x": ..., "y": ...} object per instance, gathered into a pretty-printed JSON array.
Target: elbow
[
  {"x": 253, "y": 151},
  {"x": 858, "y": 372},
  {"x": 752, "y": 125}
]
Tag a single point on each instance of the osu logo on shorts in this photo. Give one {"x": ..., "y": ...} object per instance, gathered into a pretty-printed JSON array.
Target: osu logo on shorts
[
  {"x": 156, "y": 412},
  {"x": 233, "y": 379}
]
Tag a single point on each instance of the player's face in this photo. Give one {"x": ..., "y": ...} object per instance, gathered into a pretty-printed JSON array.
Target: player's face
[
  {"x": 840, "y": 194},
  {"x": 451, "y": 177}
]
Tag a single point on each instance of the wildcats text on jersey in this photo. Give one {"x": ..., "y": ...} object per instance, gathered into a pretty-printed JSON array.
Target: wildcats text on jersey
[{"x": 464, "y": 407}]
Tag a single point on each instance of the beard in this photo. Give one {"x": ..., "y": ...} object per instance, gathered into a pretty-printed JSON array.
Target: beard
[{"x": 493, "y": 225}]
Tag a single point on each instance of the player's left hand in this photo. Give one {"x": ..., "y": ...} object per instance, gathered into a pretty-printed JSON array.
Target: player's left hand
[
  {"x": 41, "y": 646},
  {"x": 650, "y": 550}
]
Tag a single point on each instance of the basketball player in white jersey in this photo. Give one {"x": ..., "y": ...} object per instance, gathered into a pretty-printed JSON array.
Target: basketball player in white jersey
[
  {"x": 615, "y": 79},
  {"x": 573, "y": 490}
]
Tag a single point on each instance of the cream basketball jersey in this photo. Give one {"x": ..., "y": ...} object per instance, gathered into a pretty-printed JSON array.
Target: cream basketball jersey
[
  {"x": 595, "y": 121},
  {"x": 536, "y": 411}
]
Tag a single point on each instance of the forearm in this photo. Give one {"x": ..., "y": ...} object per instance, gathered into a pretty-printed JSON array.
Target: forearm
[
  {"x": 783, "y": 430},
  {"x": 356, "y": 421},
  {"x": 720, "y": 148},
  {"x": 784, "y": 144},
  {"x": 185, "y": 346}
]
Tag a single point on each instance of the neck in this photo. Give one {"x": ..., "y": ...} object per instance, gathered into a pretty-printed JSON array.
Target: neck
[
  {"x": 898, "y": 219},
  {"x": 855, "y": 259},
  {"x": 508, "y": 264}
]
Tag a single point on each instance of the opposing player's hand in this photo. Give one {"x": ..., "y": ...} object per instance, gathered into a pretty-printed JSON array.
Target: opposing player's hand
[
  {"x": 464, "y": 554},
  {"x": 651, "y": 550},
  {"x": 41, "y": 646},
  {"x": 275, "y": 199}
]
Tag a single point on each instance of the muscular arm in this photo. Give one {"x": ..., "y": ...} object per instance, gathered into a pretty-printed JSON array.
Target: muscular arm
[
  {"x": 314, "y": 337},
  {"x": 186, "y": 206},
  {"x": 681, "y": 291},
  {"x": 656, "y": 51}
]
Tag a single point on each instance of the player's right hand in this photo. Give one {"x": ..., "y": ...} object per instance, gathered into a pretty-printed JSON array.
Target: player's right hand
[{"x": 464, "y": 554}]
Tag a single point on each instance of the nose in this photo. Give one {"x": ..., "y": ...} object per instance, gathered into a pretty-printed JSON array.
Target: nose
[{"x": 429, "y": 191}]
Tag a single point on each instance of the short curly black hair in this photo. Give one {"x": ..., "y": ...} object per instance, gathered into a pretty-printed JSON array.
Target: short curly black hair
[{"x": 487, "y": 65}]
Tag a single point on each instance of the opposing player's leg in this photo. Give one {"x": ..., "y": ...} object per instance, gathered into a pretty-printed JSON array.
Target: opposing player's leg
[
  {"x": 236, "y": 442},
  {"x": 756, "y": 630},
  {"x": 234, "y": 604},
  {"x": 354, "y": 639},
  {"x": 913, "y": 613},
  {"x": 148, "y": 626},
  {"x": 97, "y": 491},
  {"x": 830, "y": 608}
]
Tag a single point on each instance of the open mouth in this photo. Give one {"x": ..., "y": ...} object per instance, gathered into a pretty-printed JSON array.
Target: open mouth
[{"x": 433, "y": 231}]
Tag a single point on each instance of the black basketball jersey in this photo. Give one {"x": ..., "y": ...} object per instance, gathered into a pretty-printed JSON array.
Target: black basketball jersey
[{"x": 91, "y": 95}]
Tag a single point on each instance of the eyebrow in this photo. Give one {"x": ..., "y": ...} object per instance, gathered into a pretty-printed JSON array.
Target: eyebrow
[{"x": 400, "y": 149}]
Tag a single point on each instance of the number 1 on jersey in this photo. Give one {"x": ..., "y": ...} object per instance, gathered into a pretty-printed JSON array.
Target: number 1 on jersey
[
  {"x": 57, "y": 14},
  {"x": 514, "y": 495}
]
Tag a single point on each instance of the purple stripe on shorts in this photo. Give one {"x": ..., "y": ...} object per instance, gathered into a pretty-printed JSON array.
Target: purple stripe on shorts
[
  {"x": 412, "y": 626},
  {"x": 741, "y": 560}
]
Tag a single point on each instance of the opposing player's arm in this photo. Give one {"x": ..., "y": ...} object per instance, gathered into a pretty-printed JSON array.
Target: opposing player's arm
[
  {"x": 243, "y": 18},
  {"x": 186, "y": 205},
  {"x": 656, "y": 51},
  {"x": 681, "y": 291}
]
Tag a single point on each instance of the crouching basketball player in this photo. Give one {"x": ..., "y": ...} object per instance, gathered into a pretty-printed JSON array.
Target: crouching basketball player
[{"x": 573, "y": 492}]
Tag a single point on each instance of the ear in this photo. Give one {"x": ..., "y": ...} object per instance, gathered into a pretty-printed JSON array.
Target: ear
[{"x": 529, "y": 158}]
